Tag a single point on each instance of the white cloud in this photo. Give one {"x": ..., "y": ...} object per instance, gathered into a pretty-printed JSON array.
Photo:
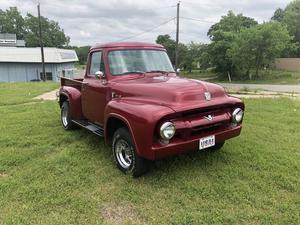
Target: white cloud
[
  {"x": 85, "y": 33},
  {"x": 89, "y": 22}
]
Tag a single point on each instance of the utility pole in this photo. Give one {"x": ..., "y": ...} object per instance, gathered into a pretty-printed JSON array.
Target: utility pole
[
  {"x": 41, "y": 44},
  {"x": 177, "y": 37}
]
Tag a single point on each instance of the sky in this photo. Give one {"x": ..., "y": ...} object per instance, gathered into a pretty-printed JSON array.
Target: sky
[{"x": 88, "y": 22}]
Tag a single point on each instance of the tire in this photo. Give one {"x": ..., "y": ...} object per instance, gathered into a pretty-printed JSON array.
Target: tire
[
  {"x": 65, "y": 116},
  {"x": 217, "y": 147},
  {"x": 125, "y": 154}
]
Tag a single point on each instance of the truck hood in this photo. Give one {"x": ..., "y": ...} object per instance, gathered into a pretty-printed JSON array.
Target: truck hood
[{"x": 174, "y": 92}]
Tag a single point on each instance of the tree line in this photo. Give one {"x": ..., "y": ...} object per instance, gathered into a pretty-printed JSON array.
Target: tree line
[
  {"x": 27, "y": 28},
  {"x": 240, "y": 47}
]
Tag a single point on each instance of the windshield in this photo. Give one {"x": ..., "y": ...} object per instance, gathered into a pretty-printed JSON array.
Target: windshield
[{"x": 122, "y": 62}]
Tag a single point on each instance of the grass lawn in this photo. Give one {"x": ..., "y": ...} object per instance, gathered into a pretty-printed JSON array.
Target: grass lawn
[
  {"x": 266, "y": 77},
  {"x": 50, "y": 176},
  {"x": 17, "y": 93}
]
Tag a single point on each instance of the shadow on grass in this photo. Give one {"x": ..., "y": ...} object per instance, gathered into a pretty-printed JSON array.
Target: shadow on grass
[{"x": 195, "y": 160}]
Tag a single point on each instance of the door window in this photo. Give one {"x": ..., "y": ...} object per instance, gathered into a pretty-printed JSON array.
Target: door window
[{"x": 96, "y": 63}]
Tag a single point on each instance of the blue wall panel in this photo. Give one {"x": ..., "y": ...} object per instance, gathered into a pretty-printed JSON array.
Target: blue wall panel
[{"x": 25, "y": 72}]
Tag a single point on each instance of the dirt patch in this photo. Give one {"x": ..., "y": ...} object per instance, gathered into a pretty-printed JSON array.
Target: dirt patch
[
  {"x": 2, "y": 174},
  {"x": 47, "y": 96},
  {"x": 120, "y": 214},
  {"x": 262, "y": 94}
]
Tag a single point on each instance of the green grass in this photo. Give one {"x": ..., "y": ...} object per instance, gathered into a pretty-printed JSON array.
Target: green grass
[
  {"x": 50, "y": 176},
  {"x": 17, "y": 93},
  {"x": 265, "y": 77},
  {"x": 198, "y": 74}
]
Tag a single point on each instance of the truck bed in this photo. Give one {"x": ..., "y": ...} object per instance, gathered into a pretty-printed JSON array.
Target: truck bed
[{"x": 76, "y": 83}]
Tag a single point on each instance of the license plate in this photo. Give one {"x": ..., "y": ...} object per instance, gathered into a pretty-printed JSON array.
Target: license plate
[{"x": 207, "y": 142}]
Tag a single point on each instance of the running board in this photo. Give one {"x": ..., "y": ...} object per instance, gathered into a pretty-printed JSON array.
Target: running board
[{"x": 96, "y": 129}]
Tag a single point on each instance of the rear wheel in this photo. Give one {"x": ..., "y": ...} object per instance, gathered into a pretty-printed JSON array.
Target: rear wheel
[
  {"x": 66, "y": 116},
  {"x": 125, "y": 154}
]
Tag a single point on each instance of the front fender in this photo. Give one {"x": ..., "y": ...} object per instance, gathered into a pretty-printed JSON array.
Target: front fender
[
  {"x": 141, "y": 119},
  {"x": 74, "y": 97}
]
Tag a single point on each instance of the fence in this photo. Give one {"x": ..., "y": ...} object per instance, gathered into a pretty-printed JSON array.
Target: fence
[{"x": 288, "y": 64}]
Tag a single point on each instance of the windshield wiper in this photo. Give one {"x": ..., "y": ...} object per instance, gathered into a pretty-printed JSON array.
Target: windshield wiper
[
  {"x": 157, "y": 71},
  {"x": 160, "y": 71},
  {"x": 135, "y": 72}
]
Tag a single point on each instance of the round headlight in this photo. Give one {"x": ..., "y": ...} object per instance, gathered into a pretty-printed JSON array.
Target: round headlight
[
  {"x": 167, "y": 130},
  {"x": 237, "y": 115}
]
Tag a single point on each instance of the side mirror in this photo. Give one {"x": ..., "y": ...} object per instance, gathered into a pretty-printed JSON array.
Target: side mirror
[
  {"x": 99, "y": 74},
  {"x": 178, "y": 70}
]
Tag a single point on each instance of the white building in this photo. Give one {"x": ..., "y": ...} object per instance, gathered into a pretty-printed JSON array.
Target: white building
[{"x": 21, "y": 64}]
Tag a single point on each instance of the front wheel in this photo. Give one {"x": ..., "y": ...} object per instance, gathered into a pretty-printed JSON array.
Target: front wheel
[
  {"x": 125, "y": 155},
  {"x": 66, "y": 116}
]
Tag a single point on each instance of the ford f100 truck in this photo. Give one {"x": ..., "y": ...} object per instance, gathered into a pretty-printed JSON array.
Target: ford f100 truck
[{"x": 131, "y": 95}]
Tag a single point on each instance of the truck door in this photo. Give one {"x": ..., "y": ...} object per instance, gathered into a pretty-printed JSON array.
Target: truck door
[{"x": 95, "y": 90}]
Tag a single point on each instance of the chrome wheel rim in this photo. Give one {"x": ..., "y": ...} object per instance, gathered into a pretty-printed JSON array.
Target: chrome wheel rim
[
  {"x": 64, "y": 117},
  {"x": 123, "y": 153}
]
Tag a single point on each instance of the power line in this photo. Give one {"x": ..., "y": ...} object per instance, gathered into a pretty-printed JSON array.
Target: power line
[
  {"x": 191, "y": 35},
  {"x": 147, "y": 31},
  {"x": 164, "y": 7},
  {"x": 184, "y": 1},
  {"x": 199, "y": 20},
  {"x": 151, "y": 37},
  {"x": 195, "y": 3},
  {"x": 172, "y": 32}
]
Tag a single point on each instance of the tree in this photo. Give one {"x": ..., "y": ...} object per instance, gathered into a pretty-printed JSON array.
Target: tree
[
  {"x": 292, "y": 19},
  {"x": 11, "y": 21},
  {"x": 290, "y": 16},
  {"x": 82, "y": 53},
  {"x": 258, "y": 46},
  {"x": 53, "y": 35},
  {"x": 204, "y": 57},
  {"x": 229, "y": 23},
  {"x": 196, "y": 53},
  {"x": 169, "y": 44},
  {"x": 278, "y": 15},
  {"x": 222, "y": 35},
  {"x": 182, "y": 55}
]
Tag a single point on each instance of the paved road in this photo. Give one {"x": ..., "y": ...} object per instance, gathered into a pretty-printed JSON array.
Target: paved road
[{"x": 265, "y": 87}]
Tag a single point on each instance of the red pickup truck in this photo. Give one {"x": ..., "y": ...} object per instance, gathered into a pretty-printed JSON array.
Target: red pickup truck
[{"x": 132, "y": 96}]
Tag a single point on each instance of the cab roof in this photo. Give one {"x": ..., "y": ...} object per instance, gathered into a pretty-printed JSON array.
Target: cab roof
[{"x": 126, "y": 44}]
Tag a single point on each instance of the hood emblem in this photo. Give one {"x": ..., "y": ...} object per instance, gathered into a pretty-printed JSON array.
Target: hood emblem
[
  {"x": 207, "y": 96},
  {"x": 209, "y": 117}
]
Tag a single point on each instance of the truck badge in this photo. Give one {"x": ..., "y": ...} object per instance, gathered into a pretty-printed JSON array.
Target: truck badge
[
  {"x": 209, "y": 117},
  {"x": 207, "y": 96}
]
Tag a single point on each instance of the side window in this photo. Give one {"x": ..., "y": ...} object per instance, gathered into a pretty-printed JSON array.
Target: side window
[{"x": 97, "y": 63}]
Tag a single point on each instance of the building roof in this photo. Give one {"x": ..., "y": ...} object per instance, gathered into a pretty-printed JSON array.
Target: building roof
[
  {"x": 33, "y": 55},
  {"x": 127, "y": 44}
]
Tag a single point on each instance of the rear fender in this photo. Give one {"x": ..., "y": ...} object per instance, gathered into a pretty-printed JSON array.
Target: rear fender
[{"x": 73, "y": 95}]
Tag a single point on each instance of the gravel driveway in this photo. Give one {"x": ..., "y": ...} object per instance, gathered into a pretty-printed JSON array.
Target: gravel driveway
[{"x": 266, "y": 87}]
